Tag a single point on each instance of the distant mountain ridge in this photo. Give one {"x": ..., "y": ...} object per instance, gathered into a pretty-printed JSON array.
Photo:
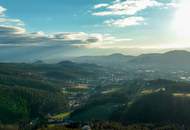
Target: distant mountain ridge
[
  {"x": 177, "y": 59},
  {"x": 113, "y": 60}
]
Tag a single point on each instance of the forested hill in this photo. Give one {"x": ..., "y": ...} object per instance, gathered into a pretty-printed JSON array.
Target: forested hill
[{"x": 30, "y": 91}]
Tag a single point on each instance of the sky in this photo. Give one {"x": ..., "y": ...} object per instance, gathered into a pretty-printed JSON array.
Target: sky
[{"x": 56, "y": 29}]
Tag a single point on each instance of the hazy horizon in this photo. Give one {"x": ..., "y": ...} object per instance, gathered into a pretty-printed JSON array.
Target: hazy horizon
[{"x": 70, "y": 58}]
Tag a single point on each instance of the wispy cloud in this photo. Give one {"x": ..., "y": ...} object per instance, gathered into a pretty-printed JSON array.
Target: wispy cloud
[
  {"x": 125, "y": 22},
  {"x": 127, "y": 7},
  {"x": 101, "y": 5},
  {"x": 9, "y": 21}
]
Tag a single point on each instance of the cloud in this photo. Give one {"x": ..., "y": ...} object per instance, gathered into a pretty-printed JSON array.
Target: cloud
[
  {"x": 13, "y": 35},
  {"x": 2, "y": 10},
  {"x": 172, "y": 4},
  {"x": 76, "y": 36},
  {"x": 103, "y": 13},
  {"x": 108, "y": 41},
  {"x": 125, "y": 22},
  {"x": 9, "y": 21},
  {"x": 101, "y": 5},
  {"x": 11, "y": 30},
  {"x": 5, "y": 21},
  {"x": 18, "y": 36},
  {"x": 127, "y": 7},
  {"x": 84, "y": 39}
]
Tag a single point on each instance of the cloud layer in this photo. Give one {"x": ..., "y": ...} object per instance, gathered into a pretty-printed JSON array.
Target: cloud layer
[{"x": 13, "y": 33}]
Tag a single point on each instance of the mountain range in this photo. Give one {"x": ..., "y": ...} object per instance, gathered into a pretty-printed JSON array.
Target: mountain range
[{"x": 177, "y": 59}]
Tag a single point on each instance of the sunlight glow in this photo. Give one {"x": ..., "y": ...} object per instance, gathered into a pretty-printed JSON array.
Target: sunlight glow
[{"x": 182, "y": 19}]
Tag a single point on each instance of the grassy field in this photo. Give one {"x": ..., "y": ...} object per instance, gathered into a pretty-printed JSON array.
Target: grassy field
[{"x": 61, "y": 116}]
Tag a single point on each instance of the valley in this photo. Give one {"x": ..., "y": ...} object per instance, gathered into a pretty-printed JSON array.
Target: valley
[{"x": 69, "y": 95}]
